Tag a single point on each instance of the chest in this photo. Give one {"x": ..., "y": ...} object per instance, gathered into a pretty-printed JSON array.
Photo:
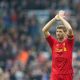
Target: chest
[{"x": 60, "y": 49}]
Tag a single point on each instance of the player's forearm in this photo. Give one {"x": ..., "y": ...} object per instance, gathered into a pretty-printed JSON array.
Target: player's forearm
[
  {"x": 48, "y": 25},
  {"x": 66, "y": 24}
]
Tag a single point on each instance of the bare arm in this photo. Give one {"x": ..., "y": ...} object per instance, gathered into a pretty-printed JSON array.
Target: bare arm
[
  {"x": 68, "y": 26},
  {"x": 46, "y": 28}
]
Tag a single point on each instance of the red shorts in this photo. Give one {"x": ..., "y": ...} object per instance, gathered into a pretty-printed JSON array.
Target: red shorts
[{"x": 61, "y": 77}]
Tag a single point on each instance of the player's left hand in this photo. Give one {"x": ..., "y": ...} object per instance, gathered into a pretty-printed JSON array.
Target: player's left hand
[{"x": 57, "y": 17}]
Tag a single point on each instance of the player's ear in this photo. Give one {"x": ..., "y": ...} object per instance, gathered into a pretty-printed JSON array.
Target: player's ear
[
  {"x": 65, "y": 34},
  {"x": 65, "y": 31}
]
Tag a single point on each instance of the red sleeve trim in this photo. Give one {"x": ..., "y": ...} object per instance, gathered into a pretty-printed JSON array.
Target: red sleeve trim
[
  {"x": 50, "y": 40},
  {"x": 70, "y": 37}
]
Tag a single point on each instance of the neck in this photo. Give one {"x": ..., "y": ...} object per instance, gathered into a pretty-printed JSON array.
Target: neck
[{"x": 61, "y": 40}]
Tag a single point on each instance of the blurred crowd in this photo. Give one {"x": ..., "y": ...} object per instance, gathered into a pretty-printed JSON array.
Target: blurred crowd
[{"x": 24, "y": 52}]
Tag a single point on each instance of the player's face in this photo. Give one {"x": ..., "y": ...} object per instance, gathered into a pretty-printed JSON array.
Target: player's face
[{"x": 60, "y": 34}]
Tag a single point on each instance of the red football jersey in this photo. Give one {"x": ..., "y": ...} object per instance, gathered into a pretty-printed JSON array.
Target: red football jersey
[{"x": 61, "y": 55}]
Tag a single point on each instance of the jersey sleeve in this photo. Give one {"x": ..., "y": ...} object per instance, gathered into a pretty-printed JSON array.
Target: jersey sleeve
[
  {"x": 50, "y": 40},
  {"x": 71, "y": 40}
]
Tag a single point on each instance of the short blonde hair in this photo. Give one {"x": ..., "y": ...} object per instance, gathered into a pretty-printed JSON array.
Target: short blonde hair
[{"x": 62, "y": 27}]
